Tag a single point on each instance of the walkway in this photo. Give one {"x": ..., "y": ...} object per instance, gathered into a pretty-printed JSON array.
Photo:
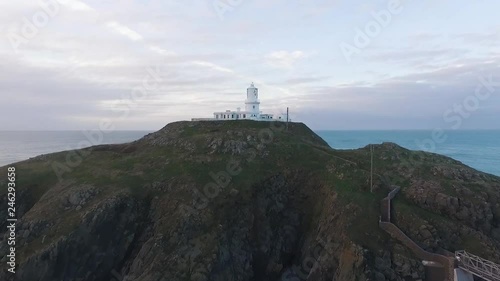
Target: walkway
[{"x": 445, "y": 265}]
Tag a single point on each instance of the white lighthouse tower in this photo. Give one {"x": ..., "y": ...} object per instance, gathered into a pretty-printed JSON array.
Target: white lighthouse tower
[
  {"x": 251, "y": 112},
  {"x": 252, "y": 102}
]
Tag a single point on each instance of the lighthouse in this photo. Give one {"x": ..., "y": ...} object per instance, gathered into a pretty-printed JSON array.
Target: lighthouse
[
  {"x": 251, "y": 112},
  {"x": 252, "y": 102}
]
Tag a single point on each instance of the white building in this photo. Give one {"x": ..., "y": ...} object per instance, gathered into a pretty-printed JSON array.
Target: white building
[{"x": 251, "y": 112}]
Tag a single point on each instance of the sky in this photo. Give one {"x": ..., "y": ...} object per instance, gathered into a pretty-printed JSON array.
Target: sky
[{"x": 346, "y": 65}]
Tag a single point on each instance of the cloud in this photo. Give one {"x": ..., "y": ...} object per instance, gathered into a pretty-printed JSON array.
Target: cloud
[
  {"x": 75, "y": 5},
  {"x": 285, "y": 59},
  {"x": 425, "y": 54},
  {"x": 305, "y": 80},
  {"x": 425, "y": 36},
  {"x": 212, "y": 66},
  {"x": 69, "y": 74},
  {"x": 121, "y": 29},
  {"x": 491, "y": 38},
  {"x": 161, "y": 51},
  {"x": 418, "y": 100}
]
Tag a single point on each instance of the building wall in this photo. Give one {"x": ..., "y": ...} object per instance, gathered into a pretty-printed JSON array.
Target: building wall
[
  {"x": 231, "y": 115},
  {"x": 236, "y": 115}
]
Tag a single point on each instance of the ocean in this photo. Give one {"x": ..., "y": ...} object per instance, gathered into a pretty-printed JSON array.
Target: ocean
[
  {"x": 21, "y": 145},
  {"x": 478, "y": 149}
]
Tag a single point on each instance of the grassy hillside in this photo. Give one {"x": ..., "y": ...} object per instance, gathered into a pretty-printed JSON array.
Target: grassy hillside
[{"x": 198, "y": 181}]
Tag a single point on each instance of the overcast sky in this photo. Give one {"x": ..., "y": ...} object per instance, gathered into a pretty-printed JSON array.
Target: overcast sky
[{"x": 73, "y": 64}]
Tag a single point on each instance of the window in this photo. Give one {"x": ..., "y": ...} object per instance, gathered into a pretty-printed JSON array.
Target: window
[
  {"x": 244, "y": 116},
  {"x": 254, "y": 107}
]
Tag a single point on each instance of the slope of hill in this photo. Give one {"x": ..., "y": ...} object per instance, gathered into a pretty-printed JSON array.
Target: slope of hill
[{"x": 242, "y": 200}]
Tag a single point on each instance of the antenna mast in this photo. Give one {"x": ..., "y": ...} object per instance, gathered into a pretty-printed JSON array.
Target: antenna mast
[
  {"x": 287, "y": 118},
  {"x": 371, "y": 168}
]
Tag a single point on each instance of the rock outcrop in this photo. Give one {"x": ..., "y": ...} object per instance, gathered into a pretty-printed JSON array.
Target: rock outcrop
[{"x": 242, "y": 201}]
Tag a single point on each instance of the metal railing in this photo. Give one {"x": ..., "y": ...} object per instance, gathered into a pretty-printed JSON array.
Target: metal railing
[{"x": 478, "y": 266}]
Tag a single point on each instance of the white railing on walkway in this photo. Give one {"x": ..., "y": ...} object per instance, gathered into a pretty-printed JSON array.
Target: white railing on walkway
[{"x": 478, "y": 266}]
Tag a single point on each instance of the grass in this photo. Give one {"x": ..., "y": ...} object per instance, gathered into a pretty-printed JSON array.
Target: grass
[
  {"x": 298, "y": 148},
  {"x": 473, "y": 245},
  {"x": 352, "y": 187},
  {"x": 403, "y": 206}
]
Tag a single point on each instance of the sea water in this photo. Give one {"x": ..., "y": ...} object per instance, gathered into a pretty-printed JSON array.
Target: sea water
[{"x": 479, "y": 149}]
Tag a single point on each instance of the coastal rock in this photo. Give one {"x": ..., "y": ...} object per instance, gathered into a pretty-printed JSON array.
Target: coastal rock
[{"x": 175, "y": 206}]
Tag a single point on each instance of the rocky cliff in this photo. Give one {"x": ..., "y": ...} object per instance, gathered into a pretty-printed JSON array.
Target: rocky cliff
[{"x": 242, "y": 201}]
